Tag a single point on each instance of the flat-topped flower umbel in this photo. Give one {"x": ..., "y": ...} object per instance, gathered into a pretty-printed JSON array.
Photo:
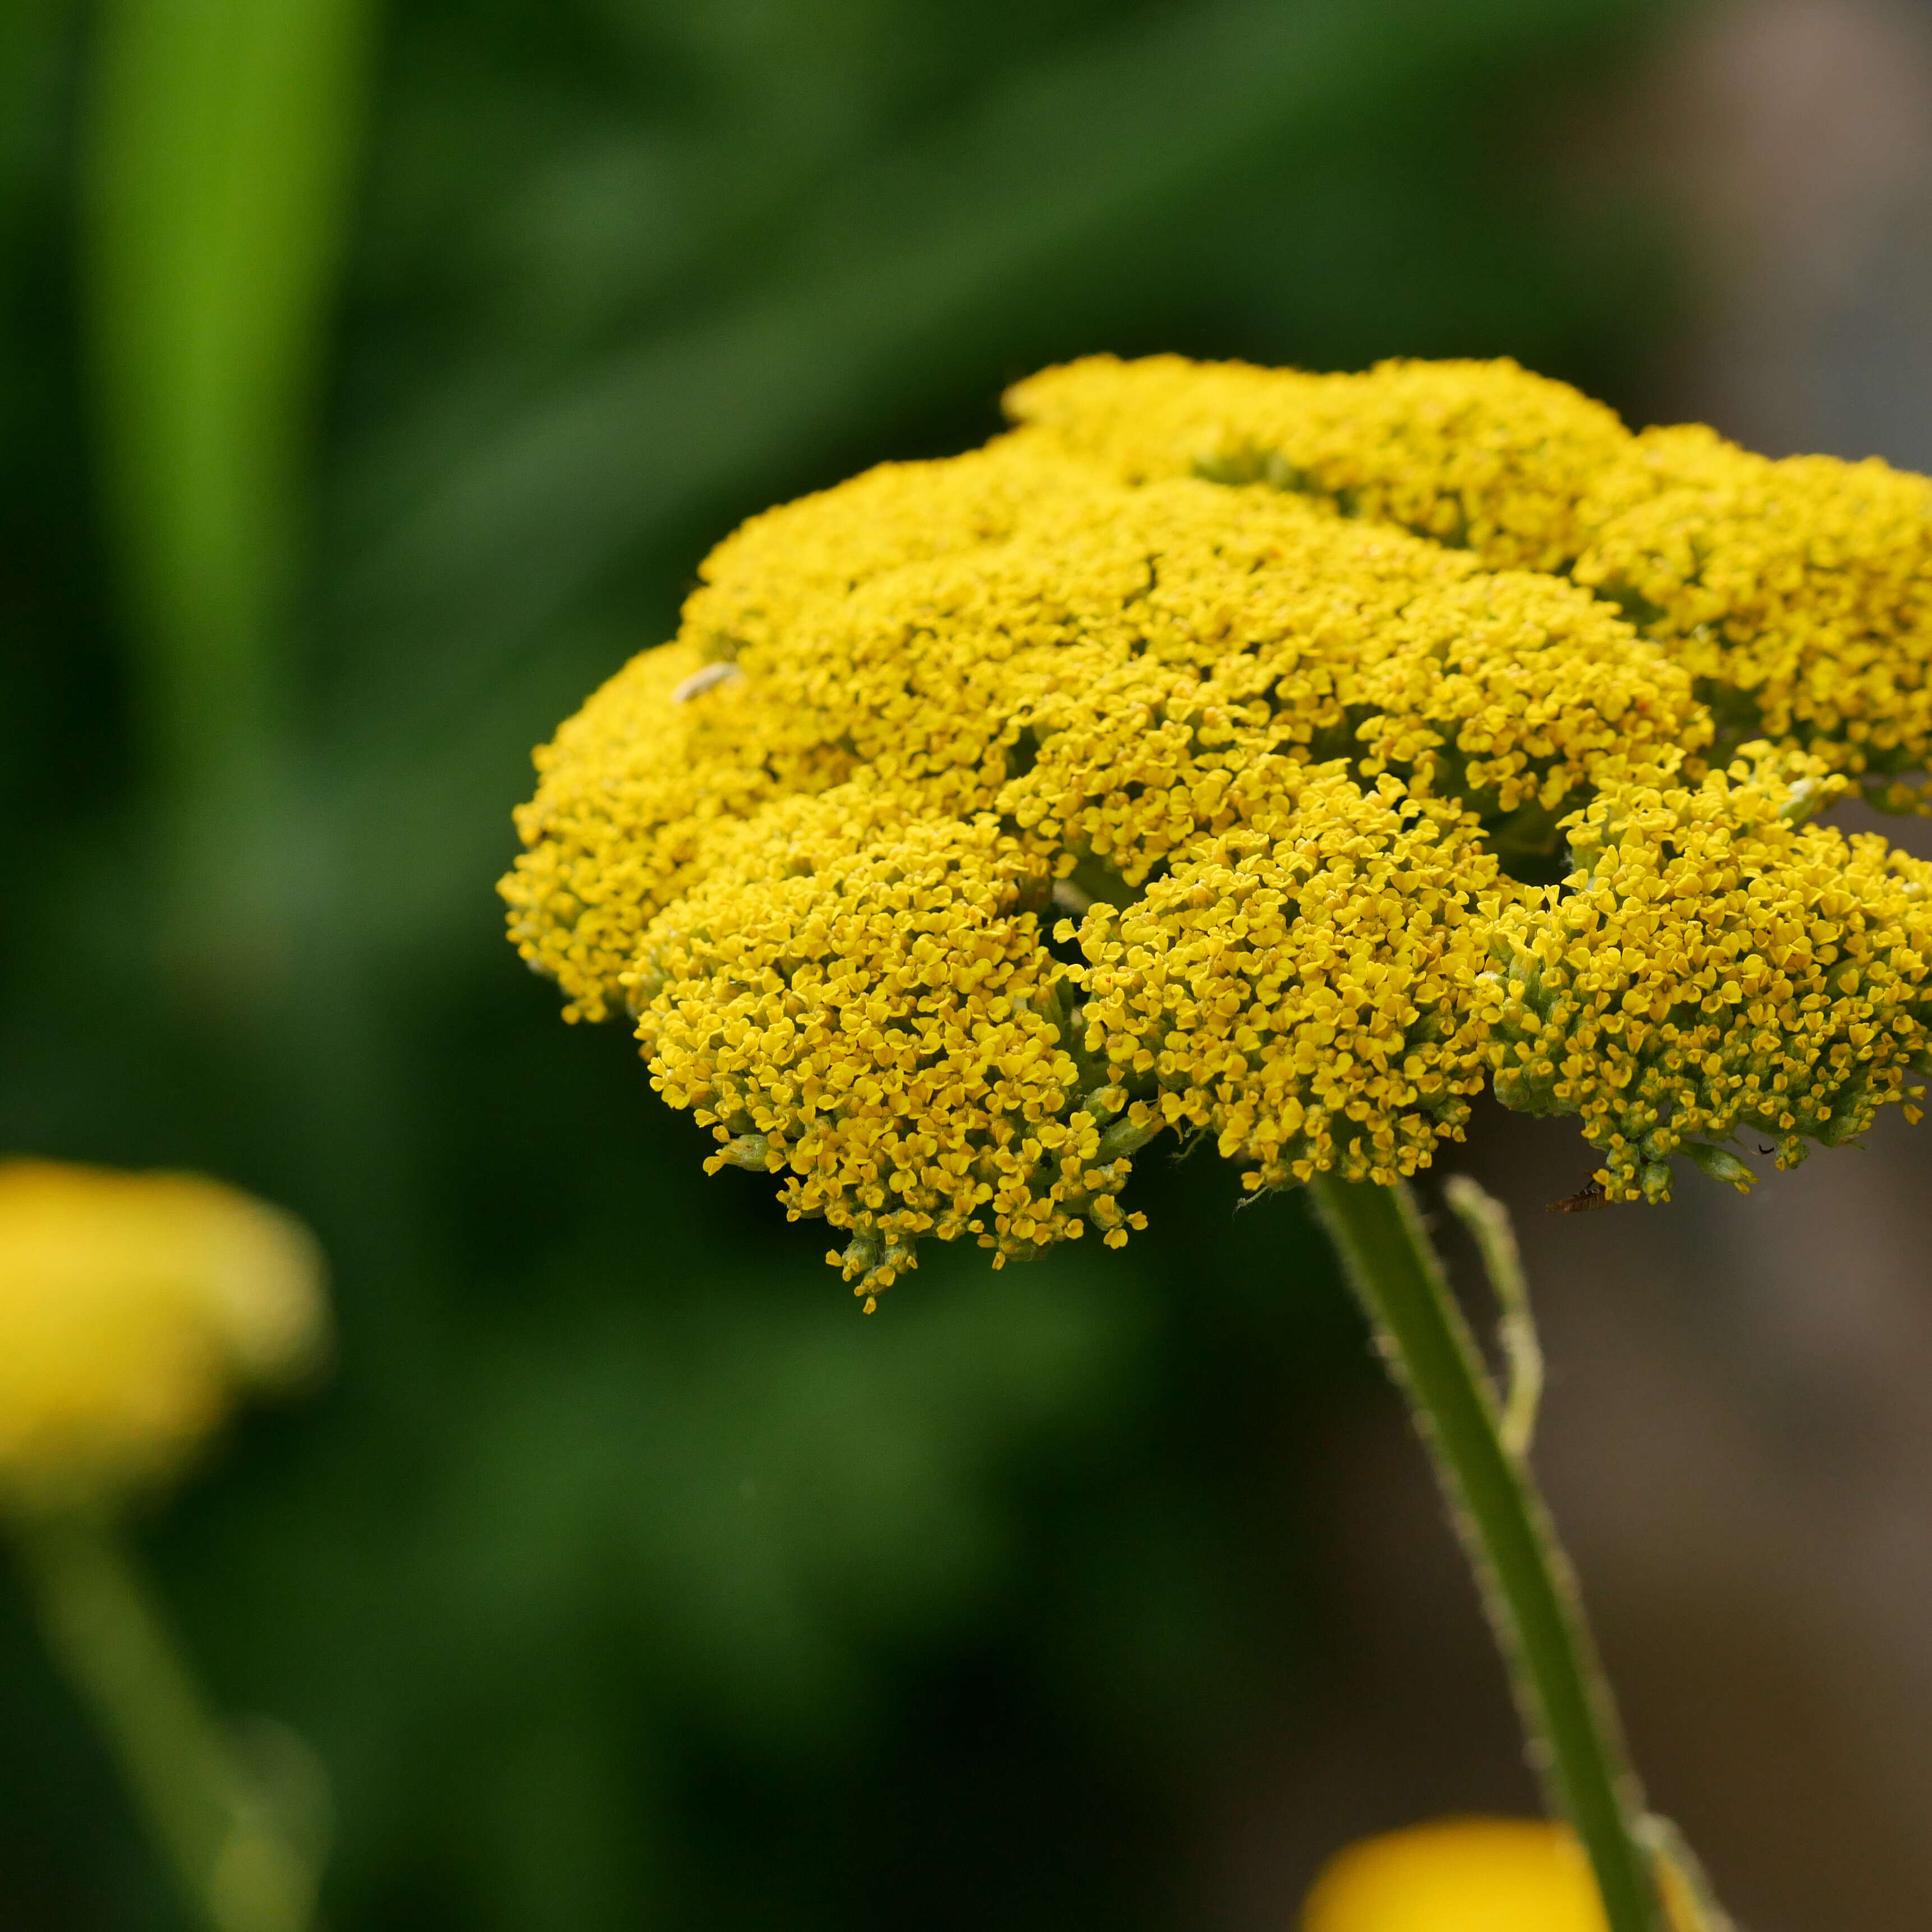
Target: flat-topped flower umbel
[{"x": 1277, "y": 757}]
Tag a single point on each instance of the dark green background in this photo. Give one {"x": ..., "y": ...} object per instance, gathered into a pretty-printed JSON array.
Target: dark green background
[{"x": 621, "y": 1573}]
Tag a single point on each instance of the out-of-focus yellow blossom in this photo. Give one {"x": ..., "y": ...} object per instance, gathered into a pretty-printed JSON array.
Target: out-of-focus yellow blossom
[
  {"x": 1481, "y": 1875},
  {"x": 1287, "y": 691},
  {"x": 1460, "y": 1875},
  {"x": 133, "y": 1309}
]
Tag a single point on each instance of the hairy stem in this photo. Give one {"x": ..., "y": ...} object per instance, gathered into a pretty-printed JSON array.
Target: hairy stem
[
  {"x": 1488, "y": 1222},
  {"x": 1528, "y": 1586}
]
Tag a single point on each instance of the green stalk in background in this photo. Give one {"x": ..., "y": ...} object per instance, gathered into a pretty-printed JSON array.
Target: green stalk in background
[
  {"x": 1575, "y": 1744},
  {"x": 220, "y": 144},
  {"x": 245, "y": 1845},
  {"x": 134, "y": 1310}
]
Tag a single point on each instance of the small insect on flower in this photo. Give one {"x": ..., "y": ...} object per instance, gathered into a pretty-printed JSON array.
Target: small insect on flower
[
  {"x": 699, "y": 682},
  {"x": 1586, "y": 1199},
  {"x": 1276, "y": 756}
]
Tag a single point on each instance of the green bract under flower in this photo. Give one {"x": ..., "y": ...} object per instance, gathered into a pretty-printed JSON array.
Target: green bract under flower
[{"x": 1206, "y": 756}]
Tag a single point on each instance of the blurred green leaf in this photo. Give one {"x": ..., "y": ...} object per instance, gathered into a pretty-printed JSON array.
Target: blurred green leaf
[
  {"x": 222, "y": 139},
  {"x": 910, "y": 254}
]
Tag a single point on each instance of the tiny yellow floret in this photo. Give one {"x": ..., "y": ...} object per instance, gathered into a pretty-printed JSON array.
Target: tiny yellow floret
[{"x": 134, "y": 1307}]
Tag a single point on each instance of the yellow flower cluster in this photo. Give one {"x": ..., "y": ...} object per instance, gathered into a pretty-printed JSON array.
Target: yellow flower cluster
[
  {"x": 1289, "y": 689},
  {"x": 1480, "y": 455},
  {"x": 864, "y": 1004},
  {"x": 1715, "y": 968},
  {"x": 1798, "y": 594},
  {"x": 1298, "y": 987},
  {"x": 132, "y": 1308}
]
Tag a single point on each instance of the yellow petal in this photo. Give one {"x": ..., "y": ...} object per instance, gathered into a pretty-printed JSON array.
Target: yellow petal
[{"x": 1460, "y": 1875}]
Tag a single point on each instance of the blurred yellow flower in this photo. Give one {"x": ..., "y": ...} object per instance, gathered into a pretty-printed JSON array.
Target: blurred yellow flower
[
  {"x": 133, "y": 1309},
  {"x": 1460, "y": 1875}
]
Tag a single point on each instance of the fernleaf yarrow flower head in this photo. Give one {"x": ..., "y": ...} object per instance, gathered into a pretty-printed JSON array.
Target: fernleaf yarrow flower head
[
  {"x": 133, "y": 1308},
  {"x": 1274, "y": 758}
]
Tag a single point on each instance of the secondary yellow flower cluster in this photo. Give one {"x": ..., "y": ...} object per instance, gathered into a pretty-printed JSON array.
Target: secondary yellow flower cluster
[
  {"x": 132, "y": 1308},
  {"x": 1299, "y": 988},
  {"x": 1716, "y": 969},
  {"x": 1799, "y": 594},
  {"x": 1287, "y": 691},
  {"x": 866, "y": 1004},
  {"x": 1475, "y": 455}
]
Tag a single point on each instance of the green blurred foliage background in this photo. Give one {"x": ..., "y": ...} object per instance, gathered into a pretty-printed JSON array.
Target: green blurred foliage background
[{"x": 371, "y": 381}]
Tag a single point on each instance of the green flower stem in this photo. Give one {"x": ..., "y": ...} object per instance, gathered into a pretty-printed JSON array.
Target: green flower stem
[
  {"x": 206, "y": 1812},
  {"x": 1528, "y": 1585}
]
